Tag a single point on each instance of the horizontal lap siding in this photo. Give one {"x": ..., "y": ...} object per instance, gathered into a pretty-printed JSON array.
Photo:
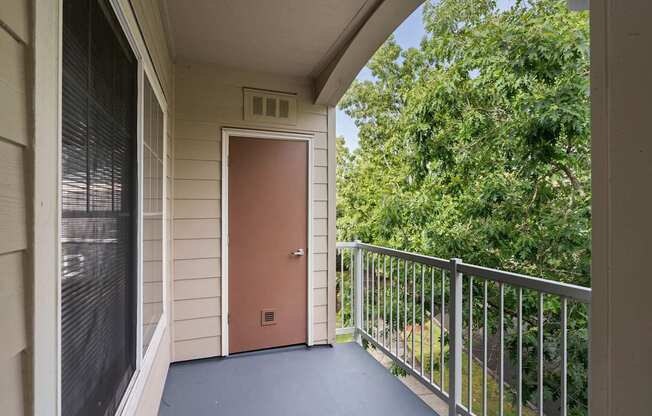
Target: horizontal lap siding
[
  {"x": 208, "y": 99},
  {"x": 320, "y": 239},
  {"x": 196, "y": 308},
  {"x": 197, "y": 227},
  {"x": 15, "y": 147}
]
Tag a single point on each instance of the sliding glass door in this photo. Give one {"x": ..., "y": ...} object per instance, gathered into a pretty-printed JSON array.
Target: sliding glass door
[{"x": 99, "y": 203}]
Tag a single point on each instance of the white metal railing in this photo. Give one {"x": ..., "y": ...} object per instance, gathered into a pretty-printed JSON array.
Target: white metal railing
[{"x": 385, "y": 294}]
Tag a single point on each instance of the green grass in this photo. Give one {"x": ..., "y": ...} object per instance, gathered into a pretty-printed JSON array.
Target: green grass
[
  {"x": 493, "y": 392},
  {"x": 343, "y": 339}
]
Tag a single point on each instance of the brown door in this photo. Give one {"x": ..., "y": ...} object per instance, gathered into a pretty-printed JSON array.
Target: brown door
[{"x": 268, "y": 214}]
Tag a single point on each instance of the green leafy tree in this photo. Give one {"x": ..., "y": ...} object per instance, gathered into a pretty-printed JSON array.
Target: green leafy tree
[{"x": 477, "y": 145}]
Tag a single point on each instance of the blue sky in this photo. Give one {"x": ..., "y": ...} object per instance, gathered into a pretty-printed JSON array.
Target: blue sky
[{"x": 407, "y": 35}]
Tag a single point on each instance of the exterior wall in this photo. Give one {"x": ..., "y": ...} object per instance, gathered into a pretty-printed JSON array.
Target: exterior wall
[
  {"x": 15, "y": 147},
  {"x": 207, "y": 99}
]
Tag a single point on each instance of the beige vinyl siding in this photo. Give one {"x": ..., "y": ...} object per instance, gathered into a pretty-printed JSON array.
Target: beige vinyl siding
[
  {"x": 15, "y": 147},
  {"x": 198, "y": 268},
  {"x": 15, "y": 18},
  {"x": 200, "y": 288},
  {"x": 197, "y": 263},
  {"x": 197, "y": 227},
  {"x": 209, "y": 98},
  {"x": 195, "y": 348},
  {"x": 197, "y": 328},
  {"x": 195, "y": 248}
]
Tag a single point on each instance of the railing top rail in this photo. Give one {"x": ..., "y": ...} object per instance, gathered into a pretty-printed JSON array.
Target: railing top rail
[
  {"x": 578, "y": 293},
  {"x": 417, "y": 258},
  {"x": 352, "y": 244}
]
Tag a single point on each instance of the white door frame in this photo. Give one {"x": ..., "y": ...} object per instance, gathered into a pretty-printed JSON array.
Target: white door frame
[{"x": 271, "y": 135}]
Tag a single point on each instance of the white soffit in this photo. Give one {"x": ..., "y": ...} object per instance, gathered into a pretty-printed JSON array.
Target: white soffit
[{"x": 287, "y": 37}]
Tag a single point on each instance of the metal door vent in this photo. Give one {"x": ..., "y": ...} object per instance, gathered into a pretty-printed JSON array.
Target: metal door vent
[
  {"x": 270, "y": 107},
  {"x": 268, "y": 317}
]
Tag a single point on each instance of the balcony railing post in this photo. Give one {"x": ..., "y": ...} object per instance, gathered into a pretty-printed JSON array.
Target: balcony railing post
[
  {"x": 455, "y": 339},
  {"x": 357, "y": 293}
]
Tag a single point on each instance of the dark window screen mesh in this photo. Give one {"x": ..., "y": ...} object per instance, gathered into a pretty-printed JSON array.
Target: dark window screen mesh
[{"x": 99, "y": 210}]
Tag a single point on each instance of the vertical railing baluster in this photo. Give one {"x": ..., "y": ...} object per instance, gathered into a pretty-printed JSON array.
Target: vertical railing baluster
[
  {"x": 363, "y": 294},
  {"x": 405, "y": 307},
  {"x": 391, "y": 302},
  {"x": 501, "y": 329},
  {"x": 442, "y": 343},
  {"x": 373, "y": 295},
  {"x": 342, "y": 309},
  {"x": 378, "y": 301},
  {"x": 520, "y": 352},
  {"x": 455, "y": 337},
  {"x": 398, "y": 306},
  {"x": 378, "y": 331},
  {"x": 414, "y": 306},
  {"x": 367, "y": 310},
  {"x": 540, "y": 351},
  {"x": 432, "y": 325},
  {"x": 385, "y": 301},
  {"x": 357, "y": 316},
  {"x": 470, "y": 351},
  {"x": 422, "y": 317},
  {"x": 353, "y": 270},
  {"x": 564, "y": 356},
  {"x": 484, "y": 349}
]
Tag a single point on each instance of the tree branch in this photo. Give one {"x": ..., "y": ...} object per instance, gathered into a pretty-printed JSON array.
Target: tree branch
[{"x": 569, "y": 174}]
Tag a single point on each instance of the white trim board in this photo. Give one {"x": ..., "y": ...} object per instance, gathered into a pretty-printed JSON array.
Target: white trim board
[
  {"x": 271, "y": 135},
  {"x": 46, "y": 165}
]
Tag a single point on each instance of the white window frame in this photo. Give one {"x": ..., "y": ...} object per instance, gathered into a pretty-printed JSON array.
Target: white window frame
[
  {"x": 270, "y": 135},
  {"x": 48, "y": 43},
  {"x": 150, "y": 75}
]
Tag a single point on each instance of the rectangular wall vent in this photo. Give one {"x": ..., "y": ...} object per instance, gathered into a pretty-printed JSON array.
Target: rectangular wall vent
[
  {"x": 268, "y": 317},
  {"x": 270, "y": 107}
]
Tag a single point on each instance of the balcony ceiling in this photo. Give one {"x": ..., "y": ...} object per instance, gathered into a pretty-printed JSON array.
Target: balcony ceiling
[{"x": 286, "y": 37}]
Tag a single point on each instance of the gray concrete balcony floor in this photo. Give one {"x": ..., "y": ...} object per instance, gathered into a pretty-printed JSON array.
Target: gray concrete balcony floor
[{"x": 343, "y": 380}]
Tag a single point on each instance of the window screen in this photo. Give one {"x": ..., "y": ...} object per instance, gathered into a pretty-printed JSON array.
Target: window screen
[
  {"x": 99, "y": 210},
  {"x": 152, "y": 214}
]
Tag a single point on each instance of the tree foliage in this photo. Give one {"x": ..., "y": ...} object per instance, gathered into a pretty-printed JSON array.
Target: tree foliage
[{"x": 477, "y": 145}]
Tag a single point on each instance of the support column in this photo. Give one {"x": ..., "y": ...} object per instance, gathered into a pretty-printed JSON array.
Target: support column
[{"x": 621, "y": 91}]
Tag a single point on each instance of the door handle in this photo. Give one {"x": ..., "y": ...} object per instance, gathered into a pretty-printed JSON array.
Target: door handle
[{"x": 298, "y": 252}]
